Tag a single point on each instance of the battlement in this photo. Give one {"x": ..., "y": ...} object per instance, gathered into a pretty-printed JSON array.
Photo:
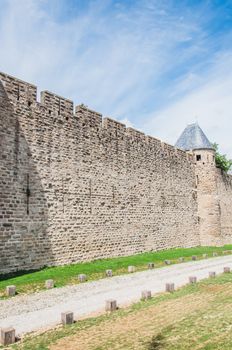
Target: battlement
[
  {"x": 25, "y": 93},
  {"x": 18, "y": 90},
  {"x": 88, "y": 116},
  {"x": 56, "y": 103}
]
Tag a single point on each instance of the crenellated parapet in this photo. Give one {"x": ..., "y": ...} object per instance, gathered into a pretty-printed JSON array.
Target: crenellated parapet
[
  {"x": 58, "y": 107},
  {"x": 78, "y": 186},
  {"x": 18, "y": 90},
  {"x": 54, "y": 103}
]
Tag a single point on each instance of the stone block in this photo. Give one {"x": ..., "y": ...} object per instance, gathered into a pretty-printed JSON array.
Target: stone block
[
  {"x": 150, "y": 265},
  {"x": 212, "y": 274},
  {"x": 131, "y": 269},
  {"x": 49, "y": 284},
  {"x": 215, "y": 254},
  {"x": 109, "y": 273},
  {"x": 10, "y": 291},
  {"x": 111, "y": 305},
  {"x": 170, "y": 287},
  {"x": 7, "y": 336},
  {"x": 181, "y": 259},
  {"x": 194, "y": 257},
  {"x": 67, "y": 317},
  {"x": 145, "y": 295},
  {"x": 192, "y": 279},
  {"x": 226, "y": 269},
  {"x": 82, "y": 277},
  {"x": 167, "y": 262}
]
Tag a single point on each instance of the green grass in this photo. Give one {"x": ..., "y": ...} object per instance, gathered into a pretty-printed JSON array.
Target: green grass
[
  {"x": 29, "y": 282},
  {"x": 207, "y": 326}
]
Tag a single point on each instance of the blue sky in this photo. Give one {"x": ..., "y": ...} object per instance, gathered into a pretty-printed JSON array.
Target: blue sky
[{"x": 155, "y": 65}]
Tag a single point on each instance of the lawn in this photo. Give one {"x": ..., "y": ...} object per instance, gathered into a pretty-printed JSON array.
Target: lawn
[
  {"x": 197, "y": 316},
  {"x": 29, "y": 282}
]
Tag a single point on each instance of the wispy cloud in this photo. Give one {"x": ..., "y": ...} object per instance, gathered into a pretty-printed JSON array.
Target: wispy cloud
[
  {"x": 155, "y": 64},
  {"x": 208, "y": 102}
]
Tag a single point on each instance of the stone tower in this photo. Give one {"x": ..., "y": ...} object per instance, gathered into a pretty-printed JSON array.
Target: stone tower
[{"x": 194, "y": 141}]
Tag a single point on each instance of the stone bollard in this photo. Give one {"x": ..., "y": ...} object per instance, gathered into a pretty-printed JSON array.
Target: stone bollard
[
  {"x": 215, "y": 254},
  {"x": 146, "y": 294},
  {"x": 205, "y": 255},
  {"x": 131, "y": 269},
  {"x": 170, "y": 287},
  {"x": 192, "y": 279},
  {"x": 167, "y": 262},
  {"x": 82, "y": 277},
  {"x": 194, "y": 257},
  {"x": 109, "y": 273},
  {"x": 226, "y": 269},
  {"x": 212, "y": 274},
  {"x": 150, "y": 265},
  {"x": 67, "y": 317},
  {"x": 10, "y": 291},
  {"x": 49, "y": 284},
  {"x": 181, "y": 259},
  {"x": 7, "y": 336},
  {"x": 111, "y": 305}
]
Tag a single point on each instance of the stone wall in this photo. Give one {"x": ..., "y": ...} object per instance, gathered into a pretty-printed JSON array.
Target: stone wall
[
  {"x": 214, "y": 197},
  {"x": 76, "y": 187},
  {"x": 207, "y": 198},
  {"x": 224, "y": 188}
]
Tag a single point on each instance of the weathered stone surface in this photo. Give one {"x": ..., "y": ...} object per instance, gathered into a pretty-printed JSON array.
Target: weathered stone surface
[
  {"x": 7, "y": 336},
  {"x": 75, "y": 187},
  {"x": 67, "y": 317},
  {"x": 212, "y": 274},
  {"x": 131, "y": 269},
  {"x": 10, "y": 291},
  {"x": 146, "y": 294},
  {"x": 167, "y": 262},
  {"x": 82, "y": 277},
  {"x": 192, "y": 279},
  {"x": 150, "y": 265},
  {"x": 170, "y": 287},
  {"x": 181, "y": 259},
  {"x": 49, "y": 284},
  {"x": 109, "y": 273},
  {"x": 194, "y": 257},
  {"x": 226, "y": 269},
  {"x": 111, "y": 305},
  {"x": 215, "y": 254}
]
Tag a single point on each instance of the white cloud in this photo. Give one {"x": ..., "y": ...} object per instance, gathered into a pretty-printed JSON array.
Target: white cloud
[
  {"x": 127, "y": 122},
  {"x": 151, "y": 64},
  {"x": 209, "y": 104},
  {"x": 108, "y": 57}
]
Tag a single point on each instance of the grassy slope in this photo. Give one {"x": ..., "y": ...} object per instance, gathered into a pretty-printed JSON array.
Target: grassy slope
[
  {"x": 63, "y": 275},
  {"x": 194, "y": 317}
]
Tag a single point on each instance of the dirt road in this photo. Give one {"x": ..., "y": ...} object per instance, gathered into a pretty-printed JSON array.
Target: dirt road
[{"x": 42, "y": 310}]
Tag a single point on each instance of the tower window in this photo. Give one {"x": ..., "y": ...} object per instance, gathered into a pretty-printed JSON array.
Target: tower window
[{"x": 198, "y": 157}]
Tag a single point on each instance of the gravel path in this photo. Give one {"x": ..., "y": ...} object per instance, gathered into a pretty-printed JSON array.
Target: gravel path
[{"x": 42, "y": 310}]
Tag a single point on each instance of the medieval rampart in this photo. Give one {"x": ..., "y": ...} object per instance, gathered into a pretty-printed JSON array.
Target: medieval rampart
[
  {"x": 77, "y": 187},
  {"x": 224, "y": 188}
]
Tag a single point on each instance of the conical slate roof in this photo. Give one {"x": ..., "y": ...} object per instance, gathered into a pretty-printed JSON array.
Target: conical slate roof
[{"x": 193, "y": 138}]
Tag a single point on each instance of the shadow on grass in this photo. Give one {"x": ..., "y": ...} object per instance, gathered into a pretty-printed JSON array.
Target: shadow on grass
[
  {"x": 7, "y": 276},
  {"x": 156, "y": 343}
]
